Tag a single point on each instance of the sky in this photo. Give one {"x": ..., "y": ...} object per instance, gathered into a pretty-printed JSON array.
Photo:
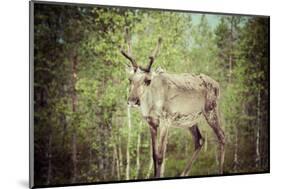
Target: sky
[{"x": 213, "y": 20}]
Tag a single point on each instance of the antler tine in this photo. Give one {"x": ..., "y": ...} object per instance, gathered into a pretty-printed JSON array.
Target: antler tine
[
  {"x": 153, "y": 56},
  {"x": 129, "y": 57},
  {"x": 128, "y": 54}
]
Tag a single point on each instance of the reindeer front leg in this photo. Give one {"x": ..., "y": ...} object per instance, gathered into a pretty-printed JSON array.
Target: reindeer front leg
[
  {"x": 153, "y": 132},
  {"x": 158, "y": 149},
  {"x": 162, "y": 145}
]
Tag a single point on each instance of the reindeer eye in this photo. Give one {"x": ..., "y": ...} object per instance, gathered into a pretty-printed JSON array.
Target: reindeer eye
[{"x": 147, "y": 82}]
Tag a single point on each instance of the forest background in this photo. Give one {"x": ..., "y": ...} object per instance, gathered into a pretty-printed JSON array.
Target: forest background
[{"x": 84, "y": 131}]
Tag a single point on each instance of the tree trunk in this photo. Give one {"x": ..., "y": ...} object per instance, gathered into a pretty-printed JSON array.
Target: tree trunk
[
  {"x": 150, "y": 164},
  {"x": 230, "y": 63},
  {"x": 138, "y": 153},
  {"x": 74, "y": 157},
  {"x": 230, "y": 68},
  {"x": 114, "y": 160},
  {"x": 206, "y": 142},
  {"x": 258, "y": 132},
  {"x": 101, "y": 152},
  {"x": 90, "y": 161},
  {"x": 106, "y": 151},
  {"x": 120, "y": 157},
  {"x": 117, "y": 163},
  {"x": 236, "y": 162},
  {"x": 217, "y": 157},
  {"x": 49, "y": 154},
  {"x": 74, "y": 108},
  {"x": 128, "y": 143},
  {"x": 164, "y": 157},
  {"x": 263, "y": 133},
  {"x": 163, "y": 164}
]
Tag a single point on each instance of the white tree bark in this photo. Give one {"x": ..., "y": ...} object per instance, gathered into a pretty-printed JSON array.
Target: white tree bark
[
  {"x": 138, "y": 153},
  {"x": 258, "y": 132},
  {"x": 206, "y": 142},
  {"x": 120, "y": 157},
  {"x": 164, "y": 158},
  {"x": 128, "y": 143},
  {"x": 236, "y": 162}
]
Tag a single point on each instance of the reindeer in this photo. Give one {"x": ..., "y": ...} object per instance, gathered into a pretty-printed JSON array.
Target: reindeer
[{"x": 177, "y": 99}]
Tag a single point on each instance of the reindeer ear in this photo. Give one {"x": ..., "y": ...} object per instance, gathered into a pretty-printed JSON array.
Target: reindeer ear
[{"x": 130, "y": 69}]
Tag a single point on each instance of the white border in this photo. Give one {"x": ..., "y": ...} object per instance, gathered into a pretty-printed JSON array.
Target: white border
[{"x": 14, "y": 92}]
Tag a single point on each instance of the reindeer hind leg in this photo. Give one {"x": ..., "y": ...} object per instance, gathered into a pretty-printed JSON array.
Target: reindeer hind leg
[
  {"x": 213, "y": 120},
  {"x": 198, "y": 142}
]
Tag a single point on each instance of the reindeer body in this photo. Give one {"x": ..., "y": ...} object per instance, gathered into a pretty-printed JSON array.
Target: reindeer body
[{"x": 181, "y": 98}]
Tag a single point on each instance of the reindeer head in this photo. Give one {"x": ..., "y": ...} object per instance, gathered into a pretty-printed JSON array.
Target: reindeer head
[{"x": 139, "y": 77}]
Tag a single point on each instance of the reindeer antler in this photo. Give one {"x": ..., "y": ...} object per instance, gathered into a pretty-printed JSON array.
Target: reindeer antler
[
  {"x": 128, "y": 54},
  {"x": 153, "y": 56}
]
